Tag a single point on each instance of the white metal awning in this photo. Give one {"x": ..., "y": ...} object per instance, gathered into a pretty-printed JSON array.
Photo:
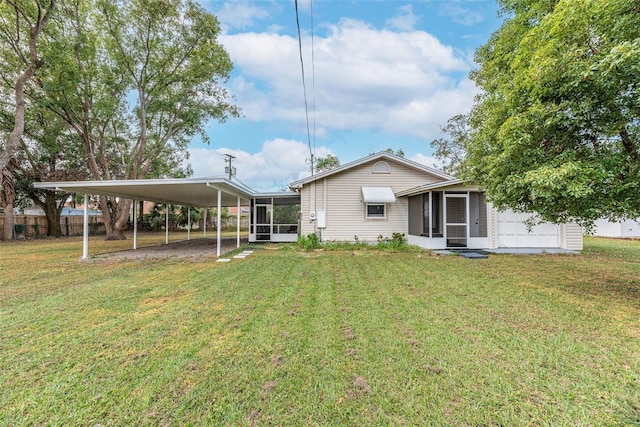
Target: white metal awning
[{"x": 378, "y": 195}]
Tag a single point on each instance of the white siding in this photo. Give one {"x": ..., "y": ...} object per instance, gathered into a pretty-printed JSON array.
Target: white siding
[{"x": 628, "y": 228}]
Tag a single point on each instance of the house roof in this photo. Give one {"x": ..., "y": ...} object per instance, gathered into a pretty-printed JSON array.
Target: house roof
[
  {"x": 383, "y": 155},
  {"x": 434, "y": 186},
  {"x": 197, "y": 192}
]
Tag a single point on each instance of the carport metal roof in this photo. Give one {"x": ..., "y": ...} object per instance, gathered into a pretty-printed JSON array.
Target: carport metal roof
[{"x": 197, "y": 192}]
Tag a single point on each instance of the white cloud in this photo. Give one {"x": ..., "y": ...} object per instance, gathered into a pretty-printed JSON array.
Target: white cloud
[
  {"x": 279, "y": 162},
  {"x": 430, "y": 161},
  {"x": 240, "y": 14},
  {"x": 364, "y": 78},
  {"x": 461, "y": 15},
  {"x": 405, "y": 20}
]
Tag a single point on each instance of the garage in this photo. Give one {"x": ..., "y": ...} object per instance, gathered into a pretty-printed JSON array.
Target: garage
[{"x": 512, "y": 232}]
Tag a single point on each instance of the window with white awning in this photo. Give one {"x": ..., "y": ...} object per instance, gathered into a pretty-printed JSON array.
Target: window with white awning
[{"x": 376, "y": 199}]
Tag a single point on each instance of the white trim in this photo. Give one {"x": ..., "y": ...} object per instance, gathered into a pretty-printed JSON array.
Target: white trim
[
  {"x": 135, "y": 225},
  {"x": 85, "y": 228},
  {"x": 382, "y": 155},
  {"x": 238, "y": 223},
  {"x": 219, "y": 245}
]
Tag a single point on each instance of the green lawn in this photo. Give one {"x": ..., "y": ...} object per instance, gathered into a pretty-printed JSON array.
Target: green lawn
[{"x": 286, "y": 337}]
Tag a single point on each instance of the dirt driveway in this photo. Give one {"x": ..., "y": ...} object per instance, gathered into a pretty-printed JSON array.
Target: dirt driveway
[{"x": 194, "y": 248}]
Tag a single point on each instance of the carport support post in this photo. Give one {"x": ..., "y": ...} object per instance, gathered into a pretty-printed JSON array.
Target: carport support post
[
  {"x": 135, "y": 225},
  {"x": 85, "y": 228},
  {"x": 218, "y": 220},
  {"x": 188, "y": 223},
  {"x": 166, "y": 223},
  {"x": 238, "y": 222}
]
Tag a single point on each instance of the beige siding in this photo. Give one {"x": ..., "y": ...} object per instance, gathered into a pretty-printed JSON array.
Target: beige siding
[
  {"x": 312, "y": 200},
  {"x": 573, "y": 237},
  {"x": 345, "y": 210}
]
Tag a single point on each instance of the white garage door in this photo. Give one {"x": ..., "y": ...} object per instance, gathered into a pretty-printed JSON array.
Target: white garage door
[{"x": 513, "y": 233}]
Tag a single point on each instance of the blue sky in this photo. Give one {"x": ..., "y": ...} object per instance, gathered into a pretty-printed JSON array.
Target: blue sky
[{"x": 379, "y": 74}]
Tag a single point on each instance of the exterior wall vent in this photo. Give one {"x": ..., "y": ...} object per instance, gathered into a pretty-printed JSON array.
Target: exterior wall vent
[{"x": 381, "y": 167}]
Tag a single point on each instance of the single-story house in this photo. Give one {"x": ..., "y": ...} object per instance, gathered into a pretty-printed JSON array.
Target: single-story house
[
  {"x": 375, "y": 196},
  {"x": 383, "y": 193}
]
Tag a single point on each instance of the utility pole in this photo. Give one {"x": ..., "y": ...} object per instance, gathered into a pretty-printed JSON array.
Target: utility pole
[
  {"x": 229, "y": 169},
  {"x": 310, "y": 162}
]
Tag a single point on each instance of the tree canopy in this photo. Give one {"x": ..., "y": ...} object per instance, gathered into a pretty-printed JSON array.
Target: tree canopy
[
  {"x": 556, "y": 128},
  {"x": 327, "y": 163}
]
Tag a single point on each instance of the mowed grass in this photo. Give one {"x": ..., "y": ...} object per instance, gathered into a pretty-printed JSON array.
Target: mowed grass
[{"x": 286, "y": 337}]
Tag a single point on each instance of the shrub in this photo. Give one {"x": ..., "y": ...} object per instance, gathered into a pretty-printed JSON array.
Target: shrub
[
  {"x": 309, "y": 242},
  {"x": 398, "y": 241}
]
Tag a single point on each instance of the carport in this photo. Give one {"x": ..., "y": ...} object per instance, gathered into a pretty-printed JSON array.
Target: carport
[{"x": 191, "y": 192}]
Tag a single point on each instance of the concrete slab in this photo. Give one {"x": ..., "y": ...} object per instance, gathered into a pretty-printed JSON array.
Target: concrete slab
[
  {"x": 532, "y": 251},
  {"x": 473, "y": 255},
  {"x": 508, "y": 251},
  {"x": 223, "y": 260}
]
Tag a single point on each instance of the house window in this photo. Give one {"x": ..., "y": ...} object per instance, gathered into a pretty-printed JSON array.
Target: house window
[{"x": 376, "y": 210}]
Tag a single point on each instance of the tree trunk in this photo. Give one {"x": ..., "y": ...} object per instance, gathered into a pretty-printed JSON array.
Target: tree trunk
[
  {"x": 8, "y": 222},
  {"x": 51, "y": 211},
  {"x": 115, "y": 215},
  {"x": 8, "y": 196}
]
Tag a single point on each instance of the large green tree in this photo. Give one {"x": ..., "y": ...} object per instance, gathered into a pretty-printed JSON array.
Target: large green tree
[
  {"x": 556, "y": 127},
  {"x": 136, "y": 80},
  {"x": 21, "y": 25}
]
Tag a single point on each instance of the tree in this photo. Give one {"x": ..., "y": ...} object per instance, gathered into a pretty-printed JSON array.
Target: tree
[
  {"x": 47, "y": 154},
  {"x": 556, "y": 126},
  {"x": 451, "y": 151},
  {"x": 136, "y": 80},
  {"x": 20, "y": 26},
  {"x": 327, "y": 163}
]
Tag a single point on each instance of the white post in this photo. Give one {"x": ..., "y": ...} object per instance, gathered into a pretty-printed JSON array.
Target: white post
[
  {"x": 430, "y": 217},
  {"x": 204, "y": 222},
  {"x": 135, "y": 225},
  {"x": 189, "y": 223},
  {"x": 85, "y": 228},
  {"x": 218, "y": 223},
  {"x": 238, "y": 221},
  {"x": 166, "y": 223}
]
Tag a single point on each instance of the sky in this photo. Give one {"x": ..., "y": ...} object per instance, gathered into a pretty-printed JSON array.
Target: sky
[{"x": 378, "y": 74}]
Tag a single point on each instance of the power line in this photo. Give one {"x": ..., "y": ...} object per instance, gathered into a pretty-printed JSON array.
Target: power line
[
  {"x": 304, "y": 86},
  {"x": 313, "y": 79}
]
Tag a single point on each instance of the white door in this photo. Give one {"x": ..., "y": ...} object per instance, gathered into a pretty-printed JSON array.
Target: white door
[
  {"x": 512, "y": 232},
  {"x": 456, "y": 223}
]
